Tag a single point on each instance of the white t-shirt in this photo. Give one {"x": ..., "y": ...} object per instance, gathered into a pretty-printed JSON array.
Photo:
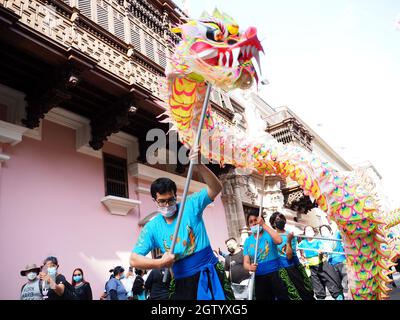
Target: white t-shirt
[{"x": 128, "y": 284}]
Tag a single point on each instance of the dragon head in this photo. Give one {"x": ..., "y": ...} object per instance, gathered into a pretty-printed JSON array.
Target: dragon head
[{"x": 213, "y": 49}]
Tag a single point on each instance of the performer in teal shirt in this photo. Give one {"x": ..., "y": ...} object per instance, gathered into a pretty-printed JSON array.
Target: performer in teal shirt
[
  {"x": 289, "y": 259},
  {"x": 197, "y": 273},
  {"x": 271, "y": 280}
]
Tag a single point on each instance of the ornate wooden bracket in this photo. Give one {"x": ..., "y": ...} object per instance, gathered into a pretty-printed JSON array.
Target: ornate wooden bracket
[
  {"x": 295, "y": 199},
  {"x": 110, "y": 121},
  {"x": 49, "y": 94}
]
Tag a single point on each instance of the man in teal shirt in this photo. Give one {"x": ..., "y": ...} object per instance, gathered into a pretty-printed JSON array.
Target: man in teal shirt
[{"x": 197, "y": 273}]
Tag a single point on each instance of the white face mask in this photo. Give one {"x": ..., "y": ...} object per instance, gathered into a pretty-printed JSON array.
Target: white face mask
[
  {"x": 31, "y": 275},
  {"x": 167, "y": 212},
  {"x": 232, "y": 246},
  {"x": 309, "y": 233},
  {"x": 325, "y": 233}
]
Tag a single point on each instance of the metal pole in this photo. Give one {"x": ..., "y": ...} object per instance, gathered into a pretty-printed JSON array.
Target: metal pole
[
  {"x": 251, "y": 283},
  {"x": 319, "y": 238},
  {"x": 316, "y": 250},
  {"x": 189, "y": 175}
]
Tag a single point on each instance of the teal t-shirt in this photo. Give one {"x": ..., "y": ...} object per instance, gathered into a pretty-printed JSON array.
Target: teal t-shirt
[
  {"x": 337, "y": 247},
  {"x": 192, "y": 235},
  {"x": 314, "y": 244},
  {"x": 267, "y": 249},
  {"x": 282, "y": 250}
]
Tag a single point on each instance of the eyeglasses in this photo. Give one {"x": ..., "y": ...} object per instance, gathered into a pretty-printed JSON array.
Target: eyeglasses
[{"x": 166, "y": 202}]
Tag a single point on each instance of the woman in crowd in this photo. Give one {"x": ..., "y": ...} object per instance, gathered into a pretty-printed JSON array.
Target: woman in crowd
[
  {"x": 82, "y": 287},
  {"x": 138, "y": 288},
  {"x": 289, "y": 259},
  {"x": 114, "y": 287},
  {"x": 271, "y": 281},
  {"x": 322, "y": 273}
]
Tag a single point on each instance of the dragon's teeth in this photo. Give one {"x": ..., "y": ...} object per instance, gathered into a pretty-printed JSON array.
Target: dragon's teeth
[
  {"x": 235, "y": 55},
  {"x": 221, "y": 56},
  {"x": 257, "y": 57},
  {"x": 207, "y": 54},
  {"x": 254, "y": 51},
  {"x": 248, "y": 49},
  {"x": 227, "y": 59}
]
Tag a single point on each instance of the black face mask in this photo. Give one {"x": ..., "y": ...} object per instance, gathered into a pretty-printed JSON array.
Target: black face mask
[{"x": 280, "y": 224}]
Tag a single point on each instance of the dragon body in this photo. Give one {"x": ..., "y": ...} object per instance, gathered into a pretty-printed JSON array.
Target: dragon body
[{"x": 213, "y": 50}]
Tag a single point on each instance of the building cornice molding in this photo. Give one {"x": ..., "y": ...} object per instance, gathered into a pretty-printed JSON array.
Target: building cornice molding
[
  {"x": 119, "y": 206},
  {"x": 81, "y": 125},
  {"x": 149, "y": 174},
  {"x": 11, "y": 133}
]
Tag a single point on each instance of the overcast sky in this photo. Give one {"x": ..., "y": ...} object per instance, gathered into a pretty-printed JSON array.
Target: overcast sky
[{"x": 336, "y": 63}]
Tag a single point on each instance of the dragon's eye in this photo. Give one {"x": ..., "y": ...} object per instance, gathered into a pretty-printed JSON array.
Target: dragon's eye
[{"x": 214, "y": 34}]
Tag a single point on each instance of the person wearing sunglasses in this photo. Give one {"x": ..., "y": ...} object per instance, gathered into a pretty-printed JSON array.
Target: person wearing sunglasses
[
  {"x": 198, "y": 275},
  {"x": 82, "y": 287}
]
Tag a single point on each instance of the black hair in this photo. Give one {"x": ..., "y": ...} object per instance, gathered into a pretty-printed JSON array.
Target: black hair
[
  {"x": 139, "y": 272},
  {"x": 162, "y": 185},
  {"x": 326, "y": 226},
  {"x": 252, "y": 213},
  {"x": 231, "y": 238},
  {"x": 274, "y": 216},
  {"x": 52, "y": 259},
  {"x": 117, "y": 270}
]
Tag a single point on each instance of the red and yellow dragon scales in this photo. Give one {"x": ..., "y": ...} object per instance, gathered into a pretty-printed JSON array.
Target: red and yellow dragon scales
[{"x": 214, "y": 50}]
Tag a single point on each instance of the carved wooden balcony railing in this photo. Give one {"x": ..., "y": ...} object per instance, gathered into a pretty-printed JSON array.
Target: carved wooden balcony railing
[
  {"x": 286, "y": 128},
  {"x": 131, "y": 40},
  {"x": 296, "y": 200}
]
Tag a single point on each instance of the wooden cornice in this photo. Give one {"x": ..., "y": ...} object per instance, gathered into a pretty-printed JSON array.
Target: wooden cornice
[{"x": 7, "y": 16}]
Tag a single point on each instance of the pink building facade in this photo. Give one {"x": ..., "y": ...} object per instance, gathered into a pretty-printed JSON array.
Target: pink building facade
[{"x": 51, "y": 204}]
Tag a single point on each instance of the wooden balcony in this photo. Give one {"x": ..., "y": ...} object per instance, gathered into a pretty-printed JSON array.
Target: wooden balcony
[
  {"x": 286, "y": 128},
  {"x": 295, "y": 200},
  {"x": 129, "y": 39}
]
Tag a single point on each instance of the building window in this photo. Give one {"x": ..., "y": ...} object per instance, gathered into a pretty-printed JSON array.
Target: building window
[
  {"x": 119, "y": 25},
  {"x": 115, "y": 176},
  {"x": 149, "y": 49},
  {"x": 85, "y": 8}
]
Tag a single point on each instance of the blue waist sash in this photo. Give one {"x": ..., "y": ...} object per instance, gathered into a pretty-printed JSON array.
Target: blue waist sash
[
  {"x": 286, "y": 263},
  {"x": 337, "y": 258},
  {"x": 268, "y": 267},
  {"x": 204, "y": 262}
]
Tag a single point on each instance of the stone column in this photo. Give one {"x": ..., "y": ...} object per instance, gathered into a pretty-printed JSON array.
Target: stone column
[
  {"x": 273, "y": 200},
  {"x": 237, "y": 186},
  {"x": 232, "y": 214}
]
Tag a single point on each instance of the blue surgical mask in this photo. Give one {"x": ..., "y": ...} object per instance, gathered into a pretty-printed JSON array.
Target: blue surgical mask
[
  {"x": 122, "y": 276},
  {"x": 77, "y": 278},
  {"x": 167, "y": 212},
  {"x": 254, "y": 229},
  {"x": 52, "y": 271}
]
